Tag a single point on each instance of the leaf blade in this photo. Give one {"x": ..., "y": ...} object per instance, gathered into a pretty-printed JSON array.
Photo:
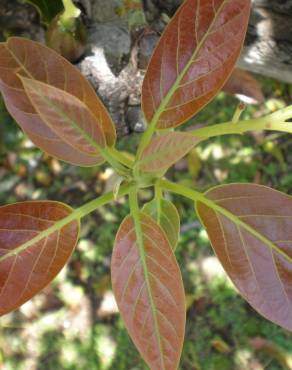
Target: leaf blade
[
  {"x": 193, "y": 59},
  {"x": 37, "y": 62},
  {"x": 133, "y": 293},
  {"x": 163, "y": 151},
  {"x": 26, "y": 271},
  {"x": 253, "y": 246},
  {"x": 60, "y": 111},
  {"x": 166, "y": 215}
]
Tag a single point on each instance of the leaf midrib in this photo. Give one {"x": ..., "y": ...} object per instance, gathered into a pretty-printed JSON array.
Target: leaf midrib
[
  {"x": 237, "y": 221},
  {"x": 140, "y": 243},
  {"x": 68, "y": 119},
  {"x": 198, "y": 197},
  {"x": 164, "y": 102},
  {"x": 82, "y": 132},
  {"x": 168, "y": 150}
]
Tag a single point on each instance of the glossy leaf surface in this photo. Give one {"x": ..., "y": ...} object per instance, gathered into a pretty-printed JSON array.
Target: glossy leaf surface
[
  {"x": 163, "y": 151},
  {"x": 66, "y": 116},
  {"x": 149, "y": 291},
  {"x": 37, "y": 62},
  {"x": 166, "y": 215},
  {"x": 253, "y": 241},
  {"x": 27, "y": 265},
  {"x": 194, "y": 58}
]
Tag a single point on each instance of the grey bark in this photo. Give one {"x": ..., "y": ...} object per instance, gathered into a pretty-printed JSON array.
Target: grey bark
[
  {"x": 268, "y": 48},
  {"x": 268, "y": 51}
]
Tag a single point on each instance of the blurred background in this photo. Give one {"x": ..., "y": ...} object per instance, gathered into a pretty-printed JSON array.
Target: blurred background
[{"x": 74, "y": 323}]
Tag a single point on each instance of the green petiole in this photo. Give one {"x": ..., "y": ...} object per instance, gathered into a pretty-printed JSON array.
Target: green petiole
[
  {"x": 273, "y": 122},
  {"x": 200, "y": 197},
  {"x": 76, "y": 215}
]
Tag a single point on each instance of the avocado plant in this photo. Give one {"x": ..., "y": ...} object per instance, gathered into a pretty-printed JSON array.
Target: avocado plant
[{"x": 249, "y": 226}]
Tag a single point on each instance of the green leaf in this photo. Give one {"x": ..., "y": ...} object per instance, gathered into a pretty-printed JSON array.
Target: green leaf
[
  {"x": 148, "y": 287},
  {"x": 47, "y": 9},
  {"x": 194, "y": 163},
  {"x": 250, "y": 228},
  {"x": 166, "y": 215}
]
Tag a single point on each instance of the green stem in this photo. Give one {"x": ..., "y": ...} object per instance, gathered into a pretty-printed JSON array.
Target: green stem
[
  {"x": 76, "y": 215},
  {"x": 117, "y": 165},
  {"x": 241, "y": 127},
  {"x": 199, "y": 197},
  {"x": 121, "y": 157},
  {"x": 272, "y": 122},
  {"x": 238, "y": 112}
]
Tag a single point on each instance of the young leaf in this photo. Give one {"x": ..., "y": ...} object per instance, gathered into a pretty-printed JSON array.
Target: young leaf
[
  {"x": 250, "y": 228},
  {"x": 164, "y": 151},
  {"x": 30, "y": 259},
  {"x": 193, "y": 59},
  {"x": 149, "y": 291},
  {"x": 31, "y": 60},
  {"x": 166, "y": 215},
  {"x": 66, "y": 116}
]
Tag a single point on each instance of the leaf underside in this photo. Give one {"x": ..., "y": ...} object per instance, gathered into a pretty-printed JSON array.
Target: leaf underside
[
  {"x": 163, "y": 151},
  {"x": 193, "y": 59},
  {"x": 166, "y": 215},
  {"x": 66, "y": 116},
  {"x": 34, "y": 61},
  {"x": 258, "y": 258},
  {"x": 26, "y": 271},
  {"x": 149, "y": 291}
]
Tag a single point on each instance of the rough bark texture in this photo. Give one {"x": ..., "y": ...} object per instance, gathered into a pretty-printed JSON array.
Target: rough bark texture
[
  {"x": 123, "y": 33},
  {"x": 268, "y": 49}
]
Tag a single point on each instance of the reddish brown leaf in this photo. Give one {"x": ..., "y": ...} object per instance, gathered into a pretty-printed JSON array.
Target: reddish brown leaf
[
  {"x": 34, "y": 61},
  {"x": 149, "y": 291},
  {"x": 253, "y": 241},
  {"x": 194, "y": 58},
  {"x": 242, "y": 83},
  {"x": 164, "y": 151},
  {"x": 28, "y": 265},
  {"x": 66, "y": 116}
]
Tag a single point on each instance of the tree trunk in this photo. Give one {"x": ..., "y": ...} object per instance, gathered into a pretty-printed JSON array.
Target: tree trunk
[{"x": 268, "y": 48}]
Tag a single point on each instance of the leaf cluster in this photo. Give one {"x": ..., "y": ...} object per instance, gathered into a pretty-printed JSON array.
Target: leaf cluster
[{"x": 248, "y": 225}]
